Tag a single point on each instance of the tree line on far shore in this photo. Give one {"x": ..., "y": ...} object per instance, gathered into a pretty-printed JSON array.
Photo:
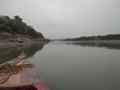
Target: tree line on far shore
[
  {"x": 105, "y": 37},
  {"x": 16, "y": 25}
]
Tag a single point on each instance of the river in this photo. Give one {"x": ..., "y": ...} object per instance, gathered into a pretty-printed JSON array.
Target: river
[{"x": 73, "y": 66}]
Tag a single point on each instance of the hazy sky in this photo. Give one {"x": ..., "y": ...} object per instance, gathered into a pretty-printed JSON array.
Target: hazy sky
[{"x": 66, "y": 18}]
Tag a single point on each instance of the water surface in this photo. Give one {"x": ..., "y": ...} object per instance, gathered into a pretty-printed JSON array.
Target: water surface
[{"x": 71, "y": 66}]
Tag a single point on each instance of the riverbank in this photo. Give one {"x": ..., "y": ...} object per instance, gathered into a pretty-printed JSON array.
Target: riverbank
[
  {"x": 9, "y": 40},
  {"x": 7, "y": 43}
]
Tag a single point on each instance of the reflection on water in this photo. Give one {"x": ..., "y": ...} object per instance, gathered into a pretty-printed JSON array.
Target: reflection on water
[
  {"x": 66, "y": 66},
  {"x": 7, "y": 54},
  {"x": 92, "y": 44},
  {"x": 100, "y": 45}
]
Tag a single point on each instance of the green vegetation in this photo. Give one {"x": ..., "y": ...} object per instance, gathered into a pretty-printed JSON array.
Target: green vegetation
[
  {"x": 106, "y": 37},
  {"x": 16, "y": 25}
]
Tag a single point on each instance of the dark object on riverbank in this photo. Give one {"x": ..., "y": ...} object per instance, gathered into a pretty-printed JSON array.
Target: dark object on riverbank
[{"x": 18, "y": 74}]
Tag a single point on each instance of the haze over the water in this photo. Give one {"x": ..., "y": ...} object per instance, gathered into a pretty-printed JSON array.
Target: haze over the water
[{"x": 66, "y": 18}]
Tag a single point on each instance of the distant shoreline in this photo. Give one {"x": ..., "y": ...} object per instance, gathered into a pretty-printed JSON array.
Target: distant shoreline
[{"x": 96, "y": 41}]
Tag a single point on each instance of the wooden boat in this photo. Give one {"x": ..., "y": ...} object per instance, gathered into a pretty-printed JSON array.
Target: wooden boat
[{"x": 19, "y": 74}]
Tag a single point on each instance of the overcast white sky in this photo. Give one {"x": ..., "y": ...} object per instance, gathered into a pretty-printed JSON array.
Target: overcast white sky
[{"x": 66, "y": 18}]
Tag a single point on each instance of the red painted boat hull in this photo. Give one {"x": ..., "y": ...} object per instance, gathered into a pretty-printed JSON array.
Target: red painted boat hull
[{"x": 26, "y": 79}]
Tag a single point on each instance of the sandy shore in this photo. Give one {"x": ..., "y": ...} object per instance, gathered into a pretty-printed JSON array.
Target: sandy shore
[
  {"x": 6, "y": 43},
  {"x": 9, "y": 40}
]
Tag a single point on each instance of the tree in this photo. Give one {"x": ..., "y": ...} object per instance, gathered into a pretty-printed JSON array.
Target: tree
[
  {"x": 17, "y": 18},
  {"x": 16, "y": 25}
]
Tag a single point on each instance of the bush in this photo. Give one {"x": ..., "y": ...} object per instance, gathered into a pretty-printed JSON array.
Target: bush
[{"x": 6, "y": 28}]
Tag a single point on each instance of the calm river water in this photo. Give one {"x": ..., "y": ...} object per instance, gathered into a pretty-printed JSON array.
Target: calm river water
[{"x": 73, "y": 66}]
